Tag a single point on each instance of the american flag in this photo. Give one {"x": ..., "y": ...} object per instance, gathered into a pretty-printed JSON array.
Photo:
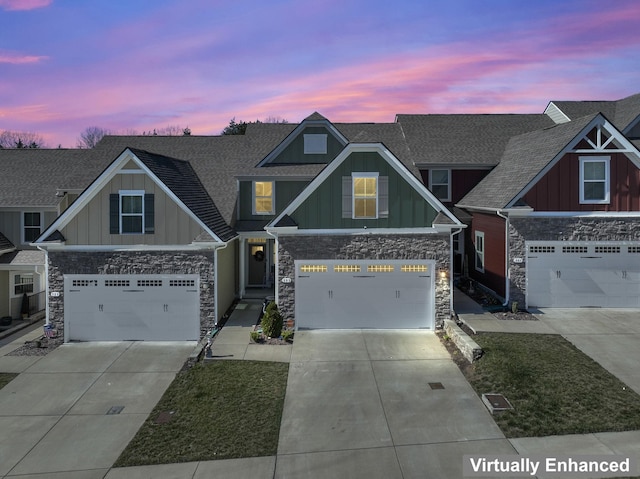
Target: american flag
[{"x": 50, "y": 332}]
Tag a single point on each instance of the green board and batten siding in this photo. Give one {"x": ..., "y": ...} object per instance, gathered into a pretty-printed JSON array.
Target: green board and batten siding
[
  {"x": 323, "y": 208},
  {"x": 293, "y": 153},
  {"x": 286, "y": 191}
]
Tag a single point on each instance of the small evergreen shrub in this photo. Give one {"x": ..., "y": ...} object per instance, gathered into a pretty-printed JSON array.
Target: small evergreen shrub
[{"x": 272, "y": 322}]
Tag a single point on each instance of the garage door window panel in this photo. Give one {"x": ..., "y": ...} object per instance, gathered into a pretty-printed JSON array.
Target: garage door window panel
[{"x": 594, "y": 180}]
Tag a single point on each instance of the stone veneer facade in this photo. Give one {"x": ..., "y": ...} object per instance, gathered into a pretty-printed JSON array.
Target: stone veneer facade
[
  {"x": 560, "y": 229},
  {"x": 363, "y": 246},
  {"x": 137, "y": 262}
]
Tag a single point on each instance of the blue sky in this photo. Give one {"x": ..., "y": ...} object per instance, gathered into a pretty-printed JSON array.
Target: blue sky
[{"x": 66, "y": 65}]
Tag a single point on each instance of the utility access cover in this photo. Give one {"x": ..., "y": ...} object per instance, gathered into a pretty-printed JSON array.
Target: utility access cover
[{"x": 496, "y": 403}]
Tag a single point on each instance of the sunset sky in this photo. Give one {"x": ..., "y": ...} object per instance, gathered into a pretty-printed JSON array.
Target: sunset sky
[{"x": 66, "y": 65}]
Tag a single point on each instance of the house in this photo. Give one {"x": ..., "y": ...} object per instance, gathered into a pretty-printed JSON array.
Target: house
[
  {"x": 160, "y": 243},
  {"x": 35, "y": 186},
  {"x": 347, "y": 225},
  {"x": 556, "y": 222}
]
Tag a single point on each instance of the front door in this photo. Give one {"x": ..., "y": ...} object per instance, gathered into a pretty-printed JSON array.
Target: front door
[{"x": 257, "y": 264}]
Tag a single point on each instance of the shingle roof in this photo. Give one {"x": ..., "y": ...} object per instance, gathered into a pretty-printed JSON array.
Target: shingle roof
[
  {"x": 183, "y": 181},
  {"x": 477, "y": 140},
  {"x": 524, "y": 157},
  {"x": 5, "y": 244},
  {"x": 620, "y": 112},
  {"x": 26, "y": 257},
  {"x": 30, "y": 177}
]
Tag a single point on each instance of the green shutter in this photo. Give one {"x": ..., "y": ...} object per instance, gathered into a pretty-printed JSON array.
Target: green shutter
[
  {"x": 149, "y": 214},
  {"x": 383, "y": 197},
  {"x": 347, "y": 208},
  {"x": 114, "y": 214}
]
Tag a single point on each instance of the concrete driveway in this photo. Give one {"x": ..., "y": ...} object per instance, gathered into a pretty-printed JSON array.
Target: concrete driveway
[
  {"x": 74, "y": 410},
  {"x": 609, "y": 336},
  {"x": 359, "y": 404}
]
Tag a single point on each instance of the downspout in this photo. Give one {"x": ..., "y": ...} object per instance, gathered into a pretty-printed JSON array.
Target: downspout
[
  {"x": 46, "y": 282},
  {"x": 451, "y": 258},
  {"x": 506, "y": 257}
]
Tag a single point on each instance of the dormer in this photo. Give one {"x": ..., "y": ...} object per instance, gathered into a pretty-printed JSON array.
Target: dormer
[{"x": 314, "y": 141}]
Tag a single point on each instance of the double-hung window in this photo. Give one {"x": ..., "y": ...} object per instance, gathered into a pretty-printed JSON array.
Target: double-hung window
[
  {"x": 439, "y": 184},
  {"x": 480, "y": 251},
  {"x": 31, "y": 226},
  {"x": 263, "y": 198},
  {"x": 132, "y": 212},
  {"x": 365, "y": 195},
  {"x": 594, "y": 179}
]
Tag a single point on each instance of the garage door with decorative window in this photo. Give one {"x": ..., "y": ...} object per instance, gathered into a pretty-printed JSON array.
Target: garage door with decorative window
[
  {"x": 565, "y": 274},
  {"x": 394, "y": 294},
  {"x": 131, "y": 307}
]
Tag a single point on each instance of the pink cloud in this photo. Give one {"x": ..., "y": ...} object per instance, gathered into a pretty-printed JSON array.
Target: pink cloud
[
  {"x": 24, "y": 4},
  {"x": 15, "y": 58}
]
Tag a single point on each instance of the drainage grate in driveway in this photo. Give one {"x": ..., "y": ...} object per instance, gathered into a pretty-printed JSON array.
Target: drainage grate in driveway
[
  {"x": 436, "y": 386},
  {"x": 115, "y": 410}
]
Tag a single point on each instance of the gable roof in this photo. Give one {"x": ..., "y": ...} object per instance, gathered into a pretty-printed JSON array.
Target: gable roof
[
  {"x": 283, "y": 219},
  {"x": 176, "y": 177},
  {"x": 182, "y": 180},
  {"x": 475, "y": 140},
  {"x": 621, "y": 112},
  {"x": 525, "y": 158}
]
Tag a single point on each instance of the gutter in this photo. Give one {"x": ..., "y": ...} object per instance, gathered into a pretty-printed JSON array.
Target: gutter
[
  {"x": 47, "y": 321},
  {"x": 276, "y": 279},
  {"x": 453, "y": 233},
  {"x": 506, "y": 256}
]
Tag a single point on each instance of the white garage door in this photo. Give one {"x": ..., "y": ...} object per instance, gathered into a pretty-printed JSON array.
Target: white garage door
[
  {"x": 131, "y": 307},
  {"x": 364, "y": 294},
  {"x": 583, "y": 274}
]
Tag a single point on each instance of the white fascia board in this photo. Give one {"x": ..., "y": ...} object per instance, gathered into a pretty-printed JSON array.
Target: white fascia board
[
  {"x": 101, "y": 181},
  {"x": 296, "y": 132},
  {"x": 260, "y": 176},
  {"x": 389, "y": 157},
  {"x": 552, "y": 106},
  {"x": 599, "y": 119},
  {"x": 584, "y": 214},
  {"x": 451, "y": 166},
  {"x": 141, "y": 247},
  {"x": 358, "y": 231}
]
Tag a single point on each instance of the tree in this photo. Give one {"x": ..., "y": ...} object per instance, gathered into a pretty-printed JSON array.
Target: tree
[
  {"x": 239, "y": 128},
  {"x": 91, "y": 136},
  {"x": 234, "y": 128},
  {"x": 20, "y": 139}
]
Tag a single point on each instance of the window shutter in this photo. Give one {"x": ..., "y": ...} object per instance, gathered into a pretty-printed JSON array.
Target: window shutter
[
  {"x": 114, "y": 214},
  {"x": 149, "y": 214},
  {"x": 347, "y": 210},
  {"x": 383, "y": 197}
]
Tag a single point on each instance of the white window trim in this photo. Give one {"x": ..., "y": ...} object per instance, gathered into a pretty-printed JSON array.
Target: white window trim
[
  {"x": 607, "y": 182},
  {"x": 122, "y": 193},
  {"x": 22, "y": 225},
  {"x": 253, "y": 198},
  {"x": 448, "y": 184},
  {"x": 479, "y": 254},
  {"x": 355, "y": 175},
  {"x": 315, "y": 144}
]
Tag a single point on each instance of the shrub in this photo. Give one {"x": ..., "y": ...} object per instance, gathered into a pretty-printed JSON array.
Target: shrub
[
  {"x": 272, "y": 322},
  {"x": 287, "y": 334},
  {"x": 255, "y": 336}
]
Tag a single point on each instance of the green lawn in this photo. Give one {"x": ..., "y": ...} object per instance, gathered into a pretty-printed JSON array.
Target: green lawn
[
  {"x": 553, "y": 386},
  {"x": 218, "y": 410},
  {"x": 5, "y": 378}
]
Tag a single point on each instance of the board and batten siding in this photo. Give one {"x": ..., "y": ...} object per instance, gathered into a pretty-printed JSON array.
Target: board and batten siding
[
  {"x": 294, "y": 152},
  {"x": 90, "y": 226},
  {"x": 11, "y": 224},
  {"x": 323, "y": 208},
  {"x": 559, "y": 189},
  {"x": 286, "y": 191},
  {"x": 493, "y": 228}
]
